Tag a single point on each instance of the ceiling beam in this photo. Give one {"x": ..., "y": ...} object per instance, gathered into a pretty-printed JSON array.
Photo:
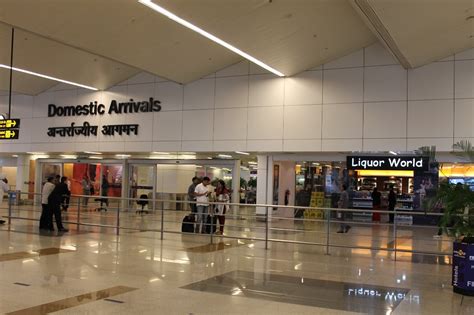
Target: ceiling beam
[{"x": 375, "y": 24}]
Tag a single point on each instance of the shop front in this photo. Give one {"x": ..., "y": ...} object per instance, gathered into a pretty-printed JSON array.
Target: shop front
[{"x": 130, "y": 178}]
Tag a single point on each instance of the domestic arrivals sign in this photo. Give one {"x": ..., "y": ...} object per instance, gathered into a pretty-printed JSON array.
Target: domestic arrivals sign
[
  {"x": 419, "y": 163},
  {"x": 9, "y": 129},
  {"x": 96, "y": 109}
]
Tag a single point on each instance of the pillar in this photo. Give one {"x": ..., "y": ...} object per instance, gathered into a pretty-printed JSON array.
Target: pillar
[
  {"x": 264, "y": 183},
  {"x": 236, "y": 182},
  {"x": 22, "y": 173}
]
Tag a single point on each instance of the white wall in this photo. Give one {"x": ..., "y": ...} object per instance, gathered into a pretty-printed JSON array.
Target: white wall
[{"x": 364, "y": 101}]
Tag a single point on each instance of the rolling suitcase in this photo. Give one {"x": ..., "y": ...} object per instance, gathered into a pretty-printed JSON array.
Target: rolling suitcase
[{"x": 188, "y": 224}]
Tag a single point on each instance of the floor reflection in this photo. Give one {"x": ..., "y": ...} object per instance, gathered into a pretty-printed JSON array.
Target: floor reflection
[{"x": 335, "y": 295}]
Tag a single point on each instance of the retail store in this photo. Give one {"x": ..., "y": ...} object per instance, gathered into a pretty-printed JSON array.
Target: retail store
[{"x": 318, "y": 182}]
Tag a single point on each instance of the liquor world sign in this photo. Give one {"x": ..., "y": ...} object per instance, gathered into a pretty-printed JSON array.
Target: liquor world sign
[
  {"x": 420, "y": 163},
  {"x": 95, "y": 109}
]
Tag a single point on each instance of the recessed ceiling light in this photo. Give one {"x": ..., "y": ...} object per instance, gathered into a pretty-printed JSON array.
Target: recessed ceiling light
[
  {"x": 36, "y": 153},
  {"x": 253, "y": 163},
  {"x": 225, "y": 156},
  {"x": 162, "y": 153},
  {"x": 15, "y": 155},
  {"x": 123, "y": 156},
  {"x": 68, "y": 156},
  {"x": 243, "y": 153},
  {"x": 48, "y": 77},
  {"x": 92, "y": 152},
  {"x": 95, "y": 157},
  {"x": 174, "y": 17}
]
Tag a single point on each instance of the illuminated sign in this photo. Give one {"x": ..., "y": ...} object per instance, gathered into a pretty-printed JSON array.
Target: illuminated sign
[
  {"x": 420, "y": 163},
  {"x": 9, "y": 123},
  {"x": 9, "y": 128}
]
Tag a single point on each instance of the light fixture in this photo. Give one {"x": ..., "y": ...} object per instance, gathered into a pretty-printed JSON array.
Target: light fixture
[
  {"x": 15, "y": 155},
  {"x": 92, "y": 152},
  {"x": 161, "y": 153},
  {"x": 123, "y": 156},
  {"x": 177, "y": 19},
  {"x": 48, "y": 77},
  {"x": 224, "y": 156},
  {"x": 68, "y": 156},
  {"x": 243, "y": 153},
  {"x": 95, "y": 157},
  {"x": 36, "y": 153},
  {"x": 393, "y": 152},
  {"x": 253, "y": 163}
]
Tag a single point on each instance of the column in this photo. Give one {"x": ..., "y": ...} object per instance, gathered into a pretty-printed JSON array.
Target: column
[
  {"x": 236, "y": 184},
  {"x": 264, "y": 183},
  {"x": 22, "y": 173}
]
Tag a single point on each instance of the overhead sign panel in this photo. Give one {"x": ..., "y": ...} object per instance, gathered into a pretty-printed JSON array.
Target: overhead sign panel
[
  {"x": 9, "y": 123},
  {"x": 9, "y": 128}
]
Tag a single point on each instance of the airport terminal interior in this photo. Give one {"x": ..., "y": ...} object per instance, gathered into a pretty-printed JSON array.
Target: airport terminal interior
[{"x": 237, "y": 157}]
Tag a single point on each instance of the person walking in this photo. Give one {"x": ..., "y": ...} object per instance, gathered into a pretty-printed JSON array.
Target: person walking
[
  {"x": 67, "y": 198},
  {"x": 202, "y": 198},
  {"x": 4, "y": 188},
  {"x": 344, "y": 204},
  {"x": 392, "y": 201},
  {"x": 86, "y": 190},
  {"x": 54, "y": 202},
  {"x": 222, "y": 196},
  {"x": 46, "y": 219},
  {"x": 191, "y": 195},
  {"x": 105, "y": 190},
  {"x": 376, "y": 203}
]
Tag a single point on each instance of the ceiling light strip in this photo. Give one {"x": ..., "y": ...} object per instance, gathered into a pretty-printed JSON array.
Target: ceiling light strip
[
  {"x": 161, "y": 10},
  {"x": 48, "y": 77}
]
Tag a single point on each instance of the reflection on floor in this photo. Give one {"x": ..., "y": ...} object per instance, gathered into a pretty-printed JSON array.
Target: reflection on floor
[
  {"x": 32, "y": 254},
  {"x": 335, "y": 295},
  {"x": 217, "y": 246},
  {"x": 72, "y": 301}
]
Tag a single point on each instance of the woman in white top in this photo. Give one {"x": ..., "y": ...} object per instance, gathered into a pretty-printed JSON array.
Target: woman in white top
[{"x": 222, "y": 196}]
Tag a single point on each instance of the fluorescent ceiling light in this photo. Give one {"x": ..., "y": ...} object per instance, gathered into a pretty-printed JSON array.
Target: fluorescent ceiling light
[
  {"x": 92, "y": 152},
  {"x": 392, "y": 152},
  {"x": 168, "y": 14},
  {"x": 225, "y": 156},
  {"x": 122, "y": 155},
  {"x": 68, "y": 156},
  {"x": 36, "y": 153},
  {"x": 95, "y": 157},
  {"x": 162, "y": 153},
  {"x": 243, "y": 153},
  {"x": 48, "y": 77},
  {"x": 253, "y": 163},
  {"x": 15, "y": 155}
]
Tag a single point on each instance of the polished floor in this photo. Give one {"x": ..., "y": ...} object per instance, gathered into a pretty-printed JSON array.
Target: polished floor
[{"x": 95, "y": 271}]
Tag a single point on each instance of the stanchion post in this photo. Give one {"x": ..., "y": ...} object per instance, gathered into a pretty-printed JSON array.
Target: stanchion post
[
  {"x": 211, "y": 214},
  {"x": 328, "y": 228},
  {"x": 118, "y": 219},
  {"x": 395, "y": 235},
  {"x": 78, "y": 213},
  {"x": 162, "y": 218},
  {"x": 266, "y": 227},
  {"x": 9, "y": 209}
]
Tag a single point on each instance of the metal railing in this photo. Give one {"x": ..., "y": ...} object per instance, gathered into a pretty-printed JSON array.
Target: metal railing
[{"x": 261, "y": 223}]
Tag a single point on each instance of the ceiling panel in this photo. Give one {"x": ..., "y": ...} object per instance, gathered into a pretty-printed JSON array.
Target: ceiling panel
[
  {"x": 122, "y": 30},
  {"x": 23, "y": 83},
  {"x": 289, "y": 35},
  {"x": 39, "y": 54}
]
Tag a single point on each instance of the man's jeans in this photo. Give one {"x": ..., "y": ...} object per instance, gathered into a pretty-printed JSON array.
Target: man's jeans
[{"x": 201, "y": 219}]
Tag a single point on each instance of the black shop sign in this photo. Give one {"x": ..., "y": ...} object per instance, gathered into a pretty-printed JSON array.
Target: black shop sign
[{"x": 412, "y": 163}]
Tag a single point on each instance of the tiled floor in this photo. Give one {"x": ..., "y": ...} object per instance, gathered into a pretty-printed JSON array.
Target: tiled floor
[{"x": 184, "y": 274}]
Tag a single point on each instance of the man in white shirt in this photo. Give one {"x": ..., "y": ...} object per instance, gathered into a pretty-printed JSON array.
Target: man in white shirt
[
  {"x": 4, "y": 188},
  {"x": 202, "y": 192},
  {"x": 46, "y": 220}
]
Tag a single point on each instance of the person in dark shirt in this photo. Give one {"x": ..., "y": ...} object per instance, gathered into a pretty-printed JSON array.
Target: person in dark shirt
[
  {"x": 376, "y": 203},
  {"x": 191, "y": 195},
  {"x": 392, "y": 201},
  {"x": 54, "y": 202},
  {"x": 105, "y": 190}
]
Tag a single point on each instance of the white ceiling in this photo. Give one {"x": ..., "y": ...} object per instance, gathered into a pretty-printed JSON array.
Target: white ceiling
[{"x": 102, "y": 42}]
